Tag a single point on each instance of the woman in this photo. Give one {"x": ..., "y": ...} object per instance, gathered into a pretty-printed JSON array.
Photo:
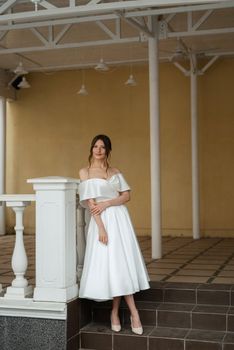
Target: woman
[{"x": 113, "y": 265}]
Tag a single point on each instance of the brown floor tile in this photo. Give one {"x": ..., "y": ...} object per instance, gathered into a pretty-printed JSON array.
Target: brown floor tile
[
  {"x": 226, "y": 273},
  {"x": 200, "y": 266},
  {"x": 157, "y": 277},
  {"x": 164, "y": 265},
  {"x": 187, "y": 272},
  {"x": 228, "y": 280},
  {"x": 160, "y": 271},
  {"x": 191, "y": 279},
  {"x": 228, "y": 267}
]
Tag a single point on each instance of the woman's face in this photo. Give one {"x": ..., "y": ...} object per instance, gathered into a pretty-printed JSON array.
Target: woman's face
[{"x": 99, "y": 150}]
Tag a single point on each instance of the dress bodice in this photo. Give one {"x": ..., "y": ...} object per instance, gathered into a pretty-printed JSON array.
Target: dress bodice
[{"x": 102, "y": 189}]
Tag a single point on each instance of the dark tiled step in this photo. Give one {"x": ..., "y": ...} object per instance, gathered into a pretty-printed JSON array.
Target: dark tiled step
[
  {"x": 193, "y": 293},
  {"x": 190, "y": 316},
  {"x": 100, "y": 337}
]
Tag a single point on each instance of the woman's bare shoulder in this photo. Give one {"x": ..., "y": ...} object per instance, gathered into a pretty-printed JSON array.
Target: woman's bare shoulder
[
  {"x": 114, "y": 171},
  {"x": 83, "y": 173}
]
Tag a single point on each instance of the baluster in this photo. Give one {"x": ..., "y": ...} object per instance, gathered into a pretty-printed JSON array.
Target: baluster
[
  {"x": 1, "y": 203},
  {"x": 19, "y": 288},
  {"x": 80, "y": 232}
]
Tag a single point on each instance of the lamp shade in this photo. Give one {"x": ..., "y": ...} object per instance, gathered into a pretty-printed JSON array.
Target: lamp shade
[
  {"x": 101, "y": 66},
  {"x": 24, "y": 84},
  {"x": 83, "y": 91},
  {"x": 131, "y": 81}
]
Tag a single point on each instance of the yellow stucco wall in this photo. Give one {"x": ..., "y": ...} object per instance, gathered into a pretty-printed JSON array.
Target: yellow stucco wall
[{"x": 49, "y": 129}]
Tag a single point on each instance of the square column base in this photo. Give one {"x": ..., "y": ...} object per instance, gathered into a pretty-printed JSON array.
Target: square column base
[
  {"x": 18, "y": 293},
  {"x": 55, "y": 294}
]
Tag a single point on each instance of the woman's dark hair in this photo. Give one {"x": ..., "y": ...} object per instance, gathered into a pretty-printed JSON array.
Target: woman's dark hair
[{"x": 107, "y": 142}]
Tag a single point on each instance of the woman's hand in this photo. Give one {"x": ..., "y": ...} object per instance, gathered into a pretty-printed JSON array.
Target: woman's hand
[
  {"x": 103, "y": 237},
  {"x": 98, "y": 208}
]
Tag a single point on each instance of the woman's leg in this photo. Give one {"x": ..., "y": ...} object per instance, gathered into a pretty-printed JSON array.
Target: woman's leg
[
  {"x": 115, "y": 311},
  {"x": 136, "y": 322}
]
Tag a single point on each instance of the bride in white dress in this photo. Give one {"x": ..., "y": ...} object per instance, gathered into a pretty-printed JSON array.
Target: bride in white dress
[{"x": 113, "y": 265}]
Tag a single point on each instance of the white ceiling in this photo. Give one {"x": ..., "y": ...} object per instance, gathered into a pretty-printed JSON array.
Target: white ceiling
[{"x": 73, "y": 34}]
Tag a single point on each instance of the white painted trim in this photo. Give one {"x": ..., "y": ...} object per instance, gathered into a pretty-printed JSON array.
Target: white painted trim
[{"x": 30, "y": 308}]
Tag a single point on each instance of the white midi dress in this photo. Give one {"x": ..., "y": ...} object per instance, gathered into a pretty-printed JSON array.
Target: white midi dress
[{"x": 117, "y": 268}]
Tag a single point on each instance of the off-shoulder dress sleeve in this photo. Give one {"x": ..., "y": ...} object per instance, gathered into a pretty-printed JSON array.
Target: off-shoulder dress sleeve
[
  {"x": 123, "y": 185},
  {"x": 97, "y": 189}
]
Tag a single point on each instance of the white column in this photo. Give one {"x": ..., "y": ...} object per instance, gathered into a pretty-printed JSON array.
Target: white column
[
  {"x": 194, "y": 146},
  {"x": 2, "y": 160},
  {"x": 80, "y": 239},
  {"x": 56, "y": 278},
  {"x": 155, "y": 143}
]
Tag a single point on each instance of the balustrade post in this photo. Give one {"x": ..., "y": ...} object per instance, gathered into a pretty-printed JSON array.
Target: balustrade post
[
  {"x": 19, "y": 288},
  {"x": 80, "y": 239},
  {"x": 56, "y": 278}
]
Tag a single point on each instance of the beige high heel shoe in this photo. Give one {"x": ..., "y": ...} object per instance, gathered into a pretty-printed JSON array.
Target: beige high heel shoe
[
  {"x": 137, "y": 330},
  {"x": 115, "y": 327}
]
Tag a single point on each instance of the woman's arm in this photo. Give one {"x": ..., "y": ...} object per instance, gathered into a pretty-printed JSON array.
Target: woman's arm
[
  {"x": 99, "y": 207},
  {"x": 103, "y": 237}
]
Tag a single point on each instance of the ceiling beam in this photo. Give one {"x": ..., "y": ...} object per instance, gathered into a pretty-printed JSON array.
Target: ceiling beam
[
  {"x": 192, "y": 33},
  {"x": 170, "y": 12},
  {"x": 39, "y": 36},
  {"x": 61, "y": 21},
  {"x": 142, "y": 28},
  {"x": 87, "y": 65},
  {"x": 181, "y": 9},
  {"x": 183, "y": 5},
  {"x": 47, "y": 5},
  {"x": 112, "y": 41},
  {"x": 52, "y": 46},
  {"x": 202, "y": 19},
  {"x": 209, "y": 64},
  {"x": 8, "y": 4},
  {"x": 62, "y": 33},
  {"x": 106, "y": 29}
]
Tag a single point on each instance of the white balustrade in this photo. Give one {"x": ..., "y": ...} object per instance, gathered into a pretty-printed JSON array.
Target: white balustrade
[
  {"x": 56, "y": 278},
  {"x": 59, "y": 224},
  {"x": 19, "y": 288}
]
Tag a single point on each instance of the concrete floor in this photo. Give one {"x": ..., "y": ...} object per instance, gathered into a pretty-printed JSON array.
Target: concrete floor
[{"x": 208, "y": 260}]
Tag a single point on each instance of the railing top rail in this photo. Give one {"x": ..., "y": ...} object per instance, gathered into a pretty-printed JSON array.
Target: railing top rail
[
  {"x": 17, "y": 197},
  {"x": 53, "y": 179}
]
